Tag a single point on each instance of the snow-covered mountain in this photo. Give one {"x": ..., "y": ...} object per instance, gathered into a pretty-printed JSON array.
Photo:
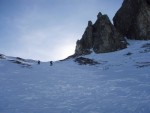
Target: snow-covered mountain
[{"x": 117, "y": 82}]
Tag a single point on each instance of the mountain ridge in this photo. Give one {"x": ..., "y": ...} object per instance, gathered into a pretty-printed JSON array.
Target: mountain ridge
[{"x": 131, "y": 21}]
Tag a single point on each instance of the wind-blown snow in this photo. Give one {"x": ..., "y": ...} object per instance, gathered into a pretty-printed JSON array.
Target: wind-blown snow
[{"x": 120, "y": 83}]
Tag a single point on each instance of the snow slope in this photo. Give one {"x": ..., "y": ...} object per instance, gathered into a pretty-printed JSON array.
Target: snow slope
[{"x": 120, "y": 83}]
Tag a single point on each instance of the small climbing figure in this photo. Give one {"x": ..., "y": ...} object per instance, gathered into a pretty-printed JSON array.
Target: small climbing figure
[
  {"x": 51, "y": 63},
  {"x": 39, "y": 62}
]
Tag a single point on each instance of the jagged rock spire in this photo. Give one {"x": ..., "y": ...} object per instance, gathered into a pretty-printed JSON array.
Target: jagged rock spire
[
  {"x": 99, "y": 15},
  {"x": 86, "y": 42},
  {"x": 90, "y": 23},
  {"x": 101, "y": 37}
]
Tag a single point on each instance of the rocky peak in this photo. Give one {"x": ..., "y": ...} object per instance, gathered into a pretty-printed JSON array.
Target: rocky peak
[
  {"x": 133, "y": 19},
  {"x": 90, "y": 23},
  {"x": 99, "y": 15},
  {"x": 100, "y": 37}
]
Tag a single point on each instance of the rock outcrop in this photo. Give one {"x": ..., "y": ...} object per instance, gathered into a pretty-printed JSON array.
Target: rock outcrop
[
  {"x": 133, "y": 19},
  {"x": 100, "y": 37},
  {"x": 2, "y": 56},
  {"x": 85, "y": 61}
]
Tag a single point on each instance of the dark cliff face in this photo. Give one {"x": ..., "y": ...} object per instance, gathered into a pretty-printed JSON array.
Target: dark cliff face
[
  {"x": 101, "y": 37},
  {"x": 133, "y": 19}
]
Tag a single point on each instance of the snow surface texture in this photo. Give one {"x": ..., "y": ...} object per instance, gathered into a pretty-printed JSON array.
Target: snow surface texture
[{"x": 120, "y": 83}]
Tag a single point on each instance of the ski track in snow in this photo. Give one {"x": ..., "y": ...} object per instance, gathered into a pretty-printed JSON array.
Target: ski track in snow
[{"x": 116, "y": 85}]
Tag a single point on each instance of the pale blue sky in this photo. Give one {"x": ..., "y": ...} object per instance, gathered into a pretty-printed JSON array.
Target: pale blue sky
[{"x": 47, "y": 29}]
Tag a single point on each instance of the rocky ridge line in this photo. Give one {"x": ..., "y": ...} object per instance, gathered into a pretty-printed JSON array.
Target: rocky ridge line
[{"x": 100, "y": 37}]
